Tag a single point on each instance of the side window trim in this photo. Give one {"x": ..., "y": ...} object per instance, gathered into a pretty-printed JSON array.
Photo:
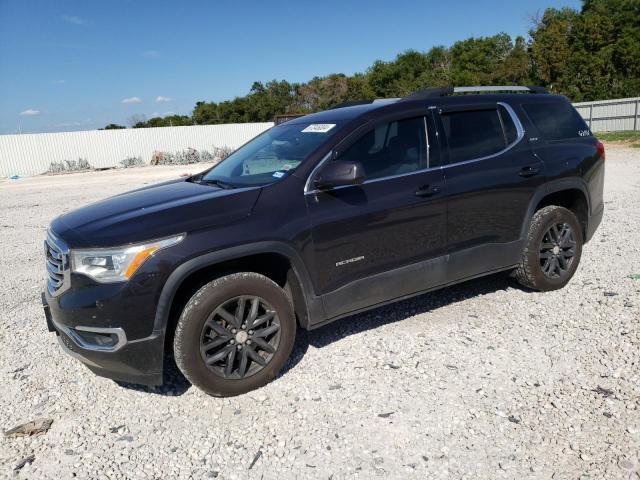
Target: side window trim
[
  {"x": 309, "y": 190},
  {"x": 426, "y": 136},
  {"x": 519, "y": 137},
  {"x": 504, "y": 130}
]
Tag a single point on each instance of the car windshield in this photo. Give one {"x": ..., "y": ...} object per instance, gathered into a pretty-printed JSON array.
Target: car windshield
[{"x": 270, "y": 156}]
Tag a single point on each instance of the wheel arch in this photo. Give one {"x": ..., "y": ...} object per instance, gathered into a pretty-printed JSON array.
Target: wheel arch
[
  {"x": 262, "y": 257},
  {"x": 570, "y": 193}
]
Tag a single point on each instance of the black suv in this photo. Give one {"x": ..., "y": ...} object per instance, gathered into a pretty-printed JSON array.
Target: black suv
[{"x": 319, "y": 218}]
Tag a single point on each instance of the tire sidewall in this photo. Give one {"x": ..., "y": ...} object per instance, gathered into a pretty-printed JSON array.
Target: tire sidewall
[
  {"x": 551, "y": 216},
  {"x": 198, "y": 309}
]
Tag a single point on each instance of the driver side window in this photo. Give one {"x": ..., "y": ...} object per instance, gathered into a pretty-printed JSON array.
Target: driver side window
[{"x": 391, "y": 148}]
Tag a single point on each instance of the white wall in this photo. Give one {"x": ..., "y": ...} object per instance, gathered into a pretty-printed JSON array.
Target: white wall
[
  {"x": 611, "y": 115},
  {"x": 31, "y": 154}
]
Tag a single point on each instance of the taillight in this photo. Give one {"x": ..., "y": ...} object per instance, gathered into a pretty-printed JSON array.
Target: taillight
[{"x": 600, "y": 149}]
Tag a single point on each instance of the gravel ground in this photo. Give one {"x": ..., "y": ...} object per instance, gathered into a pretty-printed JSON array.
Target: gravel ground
[{"x": 481, "y": 380}]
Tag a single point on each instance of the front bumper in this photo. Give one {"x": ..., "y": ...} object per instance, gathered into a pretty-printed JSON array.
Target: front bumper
[{"x": 133, "y": 361}]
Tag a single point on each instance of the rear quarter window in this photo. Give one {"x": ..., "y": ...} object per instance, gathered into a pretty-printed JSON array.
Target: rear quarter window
[{"x": 556, "y": 120}]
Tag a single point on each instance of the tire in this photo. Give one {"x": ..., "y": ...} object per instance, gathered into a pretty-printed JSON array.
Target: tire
[
  {"x": 204, "y": 332},
  {"x": 538, "y": 269}
]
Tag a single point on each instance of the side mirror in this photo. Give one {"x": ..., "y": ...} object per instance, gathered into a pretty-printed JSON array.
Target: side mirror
[{"x": 337, "y": 174}]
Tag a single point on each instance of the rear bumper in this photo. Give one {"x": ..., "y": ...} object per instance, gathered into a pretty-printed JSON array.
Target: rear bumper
[
  {"x": 594, "y": 221},
  {"x": 133, "y": 361}
]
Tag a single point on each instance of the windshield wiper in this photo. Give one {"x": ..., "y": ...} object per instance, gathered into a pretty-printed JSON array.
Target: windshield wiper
[{"x": 217, "y": 182}]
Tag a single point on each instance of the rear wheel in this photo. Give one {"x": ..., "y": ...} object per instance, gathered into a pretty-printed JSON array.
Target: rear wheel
[
  {"x": 552, "y": 251},
  {"x": 235, "y": 334}
]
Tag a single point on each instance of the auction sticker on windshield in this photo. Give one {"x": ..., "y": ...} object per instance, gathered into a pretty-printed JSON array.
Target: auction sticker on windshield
[{"x": 318, "y": 128}]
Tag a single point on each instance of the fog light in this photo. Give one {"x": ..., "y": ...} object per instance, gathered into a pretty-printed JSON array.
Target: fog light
[{"x": 98, "y": 339}]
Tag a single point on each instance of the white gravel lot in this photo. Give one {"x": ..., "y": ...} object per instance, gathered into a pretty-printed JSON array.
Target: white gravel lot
[{"x": 481, "y": 380}]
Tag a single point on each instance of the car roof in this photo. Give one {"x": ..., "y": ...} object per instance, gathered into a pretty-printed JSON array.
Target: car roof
[{"x": 371, "y": 110}]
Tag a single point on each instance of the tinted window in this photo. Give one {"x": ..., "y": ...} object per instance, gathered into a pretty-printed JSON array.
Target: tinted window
[
  {"x": 510, "y": 130},
  {"x": 473, "y": 134},
  {"x": 391, "y": 148},
  {"x": 557, "y": 120}
]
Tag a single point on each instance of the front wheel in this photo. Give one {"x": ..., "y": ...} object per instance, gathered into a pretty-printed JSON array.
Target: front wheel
[
  {"x": 552, "y": 249},
  {"x": 235, "y": 334}
]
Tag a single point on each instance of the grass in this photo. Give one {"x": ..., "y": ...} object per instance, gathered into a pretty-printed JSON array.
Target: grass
[{"x": 626, "y": 136}]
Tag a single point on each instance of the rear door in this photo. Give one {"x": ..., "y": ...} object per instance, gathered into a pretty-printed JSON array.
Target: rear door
[
  {"x": 491, "y": 177},
  {"x": 366, "y": 236}
]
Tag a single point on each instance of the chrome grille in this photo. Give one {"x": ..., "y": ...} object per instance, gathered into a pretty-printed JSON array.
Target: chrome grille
[{"x": 57, "y": 265}]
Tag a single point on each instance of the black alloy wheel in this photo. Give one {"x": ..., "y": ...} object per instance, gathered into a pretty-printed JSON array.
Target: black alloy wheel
[
  {"x": 240, "y": 337},
  {"x": 557, "y": 250}
]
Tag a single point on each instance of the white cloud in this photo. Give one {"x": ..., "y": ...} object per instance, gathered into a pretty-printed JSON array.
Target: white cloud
[
  {"x": 161, "y": 99},
  {"x": 74, "y": 20},
  {"x": 132, "y": 100},
  {"x": 59, "y": 82},
  {"x": 30, "y": 112},
  {"x": 150, "y": 53}
]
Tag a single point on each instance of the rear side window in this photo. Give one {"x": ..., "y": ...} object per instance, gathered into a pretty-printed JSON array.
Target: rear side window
[
  {"x": 474, "y": 133},
  {"x": 556, "y": 120}
]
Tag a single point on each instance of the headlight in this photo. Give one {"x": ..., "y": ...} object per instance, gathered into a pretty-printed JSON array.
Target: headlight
[{"x": 108, "y": 265}]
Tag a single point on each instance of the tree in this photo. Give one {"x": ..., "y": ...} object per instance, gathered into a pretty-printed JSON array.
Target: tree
[
  {"x": 399, "y": 77},
  {"x": 589, "y": 54},
  {"x": 323, "y": 92},
  {"x": 112, "y": 126},
  {"x": 481, "y": 61},
  {"x": 205, "y": 113},
  {"x": 168, "y": 121},
  {"x": 137, "y": 120},
  {"x": 592, "y": 54},
  {"x": 550, "y": 48}
]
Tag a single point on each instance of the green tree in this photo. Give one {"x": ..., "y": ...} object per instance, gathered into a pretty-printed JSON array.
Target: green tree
[
  {"x": 323, "y": 92},
  {"x": 589, "y": 54},
  {"x": 398, "y": 77},
  {"x": 592, "y": 54},
  {"x": 481, "y": 61},
  {"x": 168, "y": 121},
  {"x": 205, "y": 113}
]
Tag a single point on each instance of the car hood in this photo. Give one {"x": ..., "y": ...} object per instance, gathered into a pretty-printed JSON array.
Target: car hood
[{"x": 153, "y": 212}]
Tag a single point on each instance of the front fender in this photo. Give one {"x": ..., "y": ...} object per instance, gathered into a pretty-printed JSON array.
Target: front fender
[{"x": 312, "y": 304}]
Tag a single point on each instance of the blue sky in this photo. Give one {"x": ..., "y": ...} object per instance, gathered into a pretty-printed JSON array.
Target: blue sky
[{"x": 78, "y": 65}]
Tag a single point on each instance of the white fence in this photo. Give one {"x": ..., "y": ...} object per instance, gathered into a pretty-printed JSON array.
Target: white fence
[
  {"x": 32, "y": 154},
  {"x": 611, "y": 115}
]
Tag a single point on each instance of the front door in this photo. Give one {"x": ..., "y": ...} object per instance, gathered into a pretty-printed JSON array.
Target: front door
[{"x": 386, "y": 237}]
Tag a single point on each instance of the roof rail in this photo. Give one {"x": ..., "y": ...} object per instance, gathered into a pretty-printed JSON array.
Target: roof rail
[
  {"x": 429, "y": 93},
  {"x": 444, "y": 91},
  {"x": 351, "y": 104},
  {"x": 364, "y": 102}
]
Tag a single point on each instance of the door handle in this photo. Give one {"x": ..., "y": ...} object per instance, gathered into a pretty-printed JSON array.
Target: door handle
[
  {"x": 427, "y": 191},
  {"x": 528, "y": 171}
]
